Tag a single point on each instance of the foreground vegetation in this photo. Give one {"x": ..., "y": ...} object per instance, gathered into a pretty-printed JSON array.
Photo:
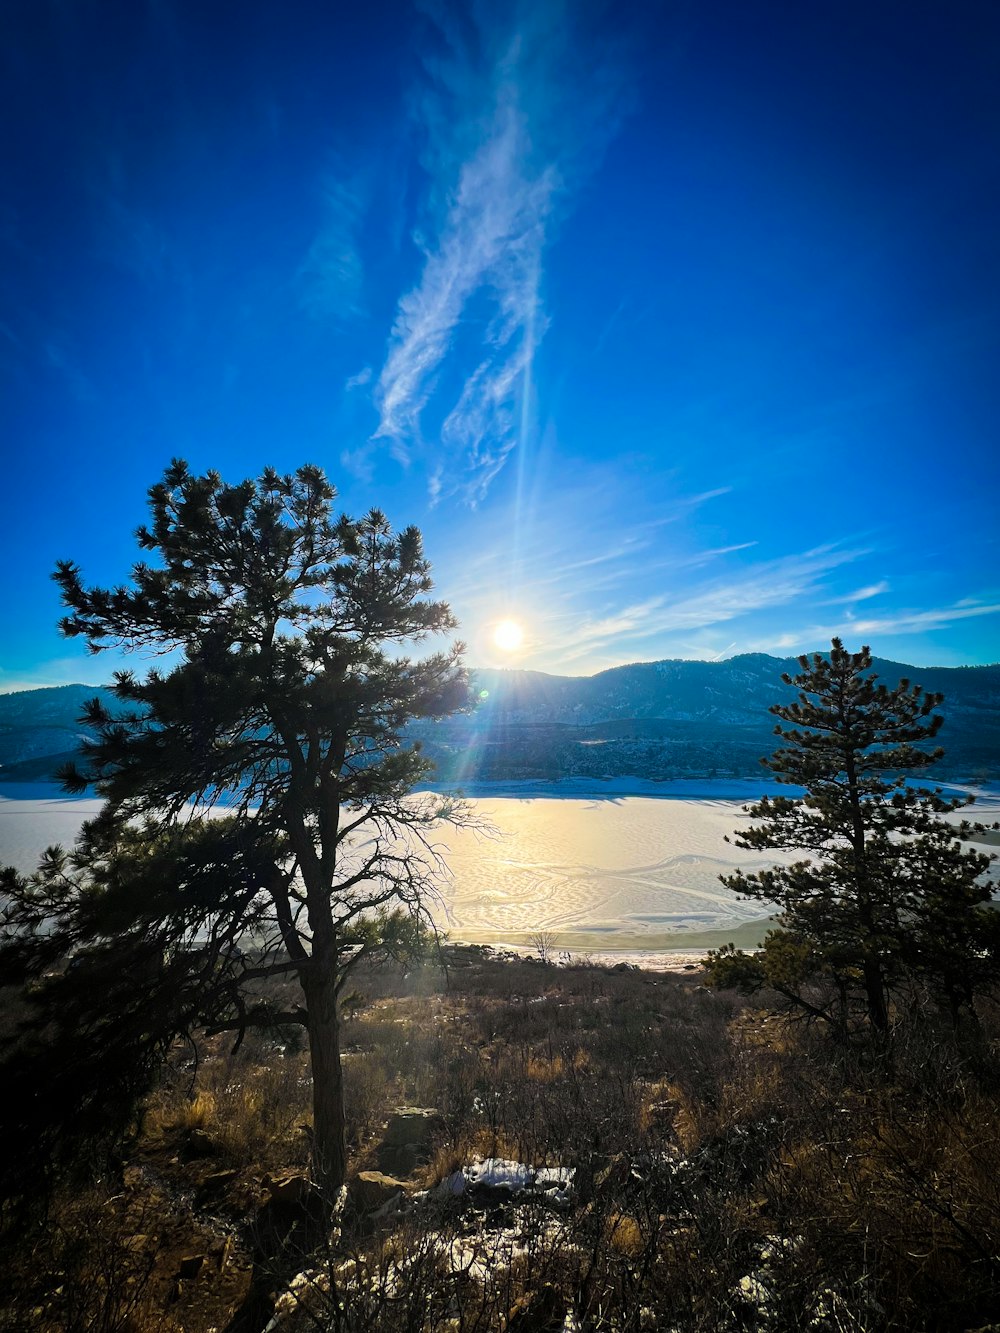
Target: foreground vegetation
[{"x": 732, "y": 1170}]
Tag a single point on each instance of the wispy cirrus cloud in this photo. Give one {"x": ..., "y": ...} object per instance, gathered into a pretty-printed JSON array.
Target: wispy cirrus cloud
[
  {"x": 864, "y": 594},
  {"x": 576, "y": 543},
  {"x": 764, "y": 586},
  {"x": 331, "y": 277},
  {"x": 904, "y": 621},
  {"x": 933, "y": 619},
  {"x": 464, "y": 337},
  {"x": 593, "y": 591}
]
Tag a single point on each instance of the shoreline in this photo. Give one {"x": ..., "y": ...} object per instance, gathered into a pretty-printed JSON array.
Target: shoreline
[
  {"x": 663, "y": 951},
  {"x": 527, "y": 789},
  {"x": 570, "y": 788},
  {"x": 612, "y": 789},
  {"x": 676, "y": 789}
]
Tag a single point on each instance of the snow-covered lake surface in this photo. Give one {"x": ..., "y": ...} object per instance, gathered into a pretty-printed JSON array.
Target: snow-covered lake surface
[
  {"x": 36, "y": 815},
  {"x": 598, "y": 873},
  {"x": 607, "y": 869}
]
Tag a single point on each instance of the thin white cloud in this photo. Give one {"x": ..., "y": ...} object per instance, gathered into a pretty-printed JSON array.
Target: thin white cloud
[
  {"x": 624, "y": 560},
  {"x": 693, "y": 501},
  {"x": 492, "y": 237},
  {"x": 904, "y": 621},
  {"x": 136, "y": 243},
  {"x": 576, "y": 541},
  {"x": 895, "y": 622},
  {"x": 485, "y": 242},
  {"x": 873, "y": 590},
  {"x": 864, "y": 594},
  {"x": 764, "y": 586},
  {"x": 359, "y": 380},
  {"x": 359, "y": 463},
  {"x": 330, "y": 278}
]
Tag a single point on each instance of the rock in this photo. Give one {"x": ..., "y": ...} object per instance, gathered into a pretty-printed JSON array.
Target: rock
[
  {"x": 662, "y": 1115},
  {"x": 221, "y": 1255},
  {"x": 372, "y": 1191},
  {"x": 294, "y": 1188},
  {"x": 408, "y": 1139},
  {"x": 217, "y": 1180},
  {"x": 614, "y": 1174},
  {"x": 190, "y": 1266},
  {"x": 399, "y": 1159},
  {"x": 414, "y": 1125},
  {"x": 139, "y": 1242},
  {"x": 200, "y": 1144}
]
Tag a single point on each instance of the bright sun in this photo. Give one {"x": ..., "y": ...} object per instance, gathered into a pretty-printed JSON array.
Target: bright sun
[{"x": 508, "y": 636}]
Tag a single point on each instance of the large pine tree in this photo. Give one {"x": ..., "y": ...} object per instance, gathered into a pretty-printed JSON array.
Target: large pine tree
[
  {"x": 286, "y": 699},
  {"x": 888, "y": 896}
]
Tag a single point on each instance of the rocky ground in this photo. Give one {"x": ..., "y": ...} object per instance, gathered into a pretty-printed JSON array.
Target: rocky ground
[{"x": 540, "y": 1147}]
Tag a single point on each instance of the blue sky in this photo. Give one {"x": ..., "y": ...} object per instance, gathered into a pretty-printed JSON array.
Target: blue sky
[{"x": 676, "y": 327}]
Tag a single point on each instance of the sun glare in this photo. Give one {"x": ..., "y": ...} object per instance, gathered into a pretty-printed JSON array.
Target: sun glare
[{"x": 508, "y": 636}]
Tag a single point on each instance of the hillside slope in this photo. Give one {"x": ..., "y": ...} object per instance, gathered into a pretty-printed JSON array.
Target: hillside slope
[
  {"x": 649, "y": 720},
  {"x": 679, "y": 719}
]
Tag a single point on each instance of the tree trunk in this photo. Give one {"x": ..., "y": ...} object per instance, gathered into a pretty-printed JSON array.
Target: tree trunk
[
  {"x": 878, "y": 1010},
  {"x": 329, "y": 1138}
]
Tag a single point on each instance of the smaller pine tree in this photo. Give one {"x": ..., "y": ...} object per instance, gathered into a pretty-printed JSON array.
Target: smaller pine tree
[{"x": 888, "y": 896}]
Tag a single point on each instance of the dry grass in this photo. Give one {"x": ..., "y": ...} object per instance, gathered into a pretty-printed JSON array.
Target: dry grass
[
  {"x": 623, "y": 1235},
  {"x": 722, "y": 1158},
  {"x": 248, "y": 1111}
]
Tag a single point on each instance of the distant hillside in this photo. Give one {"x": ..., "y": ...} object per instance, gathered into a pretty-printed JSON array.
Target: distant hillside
[
  {"x": 679, "y": 719},
  {"x": 40, "y": 730},
  {"x": 734, "y": 691},
  {"x": 650, "y": 720}
]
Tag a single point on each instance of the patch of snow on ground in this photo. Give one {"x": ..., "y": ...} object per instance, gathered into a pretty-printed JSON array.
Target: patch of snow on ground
[{"x": 553, "y": 1183}]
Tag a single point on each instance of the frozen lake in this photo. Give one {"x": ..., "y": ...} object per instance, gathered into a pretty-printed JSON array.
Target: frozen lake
[
  {"x": 626, "y": 873},
  {"x": 601, "y": 870}
]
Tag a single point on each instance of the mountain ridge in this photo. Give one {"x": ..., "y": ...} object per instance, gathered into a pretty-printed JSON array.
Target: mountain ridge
[{"x": 674, "y": 717}]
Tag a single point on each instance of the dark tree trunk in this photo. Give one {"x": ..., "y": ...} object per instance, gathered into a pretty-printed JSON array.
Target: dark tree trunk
[
  {"x": 329, "y": 1138},
  {"x": 878, "y": 1011}
]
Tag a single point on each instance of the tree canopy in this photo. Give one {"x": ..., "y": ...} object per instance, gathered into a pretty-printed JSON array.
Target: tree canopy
[
  {"x": 281, "y": 701},
  {"x": 889, "y": 896}
]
